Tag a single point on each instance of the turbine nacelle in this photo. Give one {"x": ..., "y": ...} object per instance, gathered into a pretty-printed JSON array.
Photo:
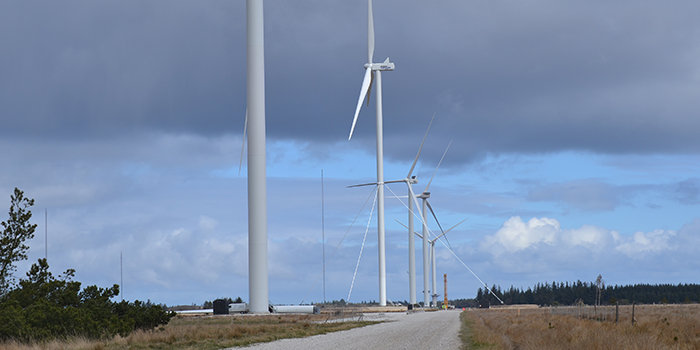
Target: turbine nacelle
[
  {"x": 424, "y": 195},
  {"x": 384, "y": 66}
]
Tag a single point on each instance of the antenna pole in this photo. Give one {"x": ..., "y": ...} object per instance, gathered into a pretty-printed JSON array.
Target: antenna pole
[
  {"x": 323, "y": 236},
  {"x": 121, "y": 276},
  {"x": 46, "y": 234}
]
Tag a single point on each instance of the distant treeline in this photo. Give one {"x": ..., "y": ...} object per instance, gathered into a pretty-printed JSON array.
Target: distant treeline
[{"x": 565, "y": 293}]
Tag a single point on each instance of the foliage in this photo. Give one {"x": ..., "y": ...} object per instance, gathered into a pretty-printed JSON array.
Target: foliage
[
  {"x": 589, "y": 292},
  {"x": 16, "y": 230},
  {"x": 210, "y": 304},
  {"x": 44, "y": 306},
  {"x": 462, "y": 303}
]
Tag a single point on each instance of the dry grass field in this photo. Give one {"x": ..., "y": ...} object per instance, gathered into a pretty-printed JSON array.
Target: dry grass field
[
  {"x": 656, "y": 327},
  {"x": 206, "y": 332}
]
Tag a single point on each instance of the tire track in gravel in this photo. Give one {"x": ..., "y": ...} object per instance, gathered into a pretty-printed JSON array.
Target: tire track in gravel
[{"x": 420, "y": 330}]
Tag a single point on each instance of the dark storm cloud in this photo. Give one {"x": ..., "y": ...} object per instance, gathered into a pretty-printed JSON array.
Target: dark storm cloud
[
  {"x": 503, "y": 77},
  {"x": 87, "y": 69},
  {"x": 687, "y": 192}
]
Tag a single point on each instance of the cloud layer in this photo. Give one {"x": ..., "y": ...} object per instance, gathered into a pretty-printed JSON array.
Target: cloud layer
[{"x": 573, "y": 124}]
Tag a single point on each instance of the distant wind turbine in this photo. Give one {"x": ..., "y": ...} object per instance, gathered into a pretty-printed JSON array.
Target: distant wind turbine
[
  {"x": 373, "y": 71},
  {"x": 432, "y": 255},
  {"x": 410, "y": 181},
  {"x": 432, "y": 260},
  {"x": 426, "y": 205}
]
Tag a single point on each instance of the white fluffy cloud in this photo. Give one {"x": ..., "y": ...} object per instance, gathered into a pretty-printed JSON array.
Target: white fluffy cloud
[
  {"x": 544, "y": 239},
  {"x": 517, "y": 235},
  {"x": 653, "y": 242}
]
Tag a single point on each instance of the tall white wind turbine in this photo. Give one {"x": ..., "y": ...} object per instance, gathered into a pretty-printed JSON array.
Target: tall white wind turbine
[
  {"x": 373, "y": 71},
  {"x": 257, "y": 174}
]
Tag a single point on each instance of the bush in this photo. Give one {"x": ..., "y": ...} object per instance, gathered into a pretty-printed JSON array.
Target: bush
[{"x": 43, "y": 306}]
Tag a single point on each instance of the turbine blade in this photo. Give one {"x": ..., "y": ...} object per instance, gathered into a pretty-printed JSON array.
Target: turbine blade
[
  {"x": 370, "y": 32},
  {"x": 413, "y": 166},
  {"x": 448, "y": 241},
  {"x": 401, "y": 223},
  {"x": 438, "y": 166},
  {"x": 363, "y": 92},
  {"x": 449, "y": 229},
  {"x": 459, "y": 223},
  {"x": 394, "y": 181},
  {"x": 435, "y": 216},
  {"x": 369, "y": 89},
  {"x": 245, "y": 130},
  {"x": 360, "y": 185},
  {"x": 412, "y": 196}
]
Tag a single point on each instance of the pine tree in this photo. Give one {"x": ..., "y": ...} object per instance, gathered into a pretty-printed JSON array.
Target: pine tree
[{"x": 16, "y": 230}]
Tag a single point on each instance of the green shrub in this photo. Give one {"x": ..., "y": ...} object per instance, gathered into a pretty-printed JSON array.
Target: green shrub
[{"x": 43, "y": 307}]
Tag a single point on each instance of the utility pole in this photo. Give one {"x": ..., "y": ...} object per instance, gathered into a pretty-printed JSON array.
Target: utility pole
[{"x": 323, "y": 236}]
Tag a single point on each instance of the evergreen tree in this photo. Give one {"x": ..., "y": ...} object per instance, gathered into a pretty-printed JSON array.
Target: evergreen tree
[{"x": 16, "y": 230}]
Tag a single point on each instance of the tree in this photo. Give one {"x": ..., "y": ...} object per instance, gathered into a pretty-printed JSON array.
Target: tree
[
  {"x": 599, "y": 287},
  {"x": 16, "y": 230}
]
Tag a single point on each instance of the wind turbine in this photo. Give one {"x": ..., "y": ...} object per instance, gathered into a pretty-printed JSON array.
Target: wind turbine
[
  {"x": 426, "y": 205},
  {"x": 410, "y": 181},
  {"x": 432, "y": 259},
  {"x": 432, "y": 255},
  {"x": 373, "y": 71}
]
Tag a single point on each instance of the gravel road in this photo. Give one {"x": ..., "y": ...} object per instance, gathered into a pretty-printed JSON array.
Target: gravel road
[{"x": 420, "y": 330}]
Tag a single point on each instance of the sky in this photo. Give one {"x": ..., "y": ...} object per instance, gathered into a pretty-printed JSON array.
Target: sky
[{"x": 573, "y": 153}]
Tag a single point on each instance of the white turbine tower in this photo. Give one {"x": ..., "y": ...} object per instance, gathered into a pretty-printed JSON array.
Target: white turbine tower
[
  {"x": 257, "y": 175},
  {"x": 373, "y": 71}
]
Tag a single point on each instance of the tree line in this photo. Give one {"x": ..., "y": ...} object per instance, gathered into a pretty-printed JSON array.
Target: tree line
[
  {"x": 565, "y": 293},
  {"x": 42, "y": 306}
]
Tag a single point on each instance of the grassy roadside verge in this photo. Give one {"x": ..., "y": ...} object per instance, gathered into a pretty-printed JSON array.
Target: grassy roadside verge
[
  {"x": 202, "y": 333},
  {"x": 472, "y": 332},
  {"x": 655, "y": 327}
]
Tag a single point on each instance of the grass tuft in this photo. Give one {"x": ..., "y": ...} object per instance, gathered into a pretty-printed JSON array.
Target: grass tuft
[
  {"x": 539, "y": 329},
  {"x": 203, "y": 333}
]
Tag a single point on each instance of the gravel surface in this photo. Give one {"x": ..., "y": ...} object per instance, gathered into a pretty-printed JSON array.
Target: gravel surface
[{"x": 420, "y": 330}]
